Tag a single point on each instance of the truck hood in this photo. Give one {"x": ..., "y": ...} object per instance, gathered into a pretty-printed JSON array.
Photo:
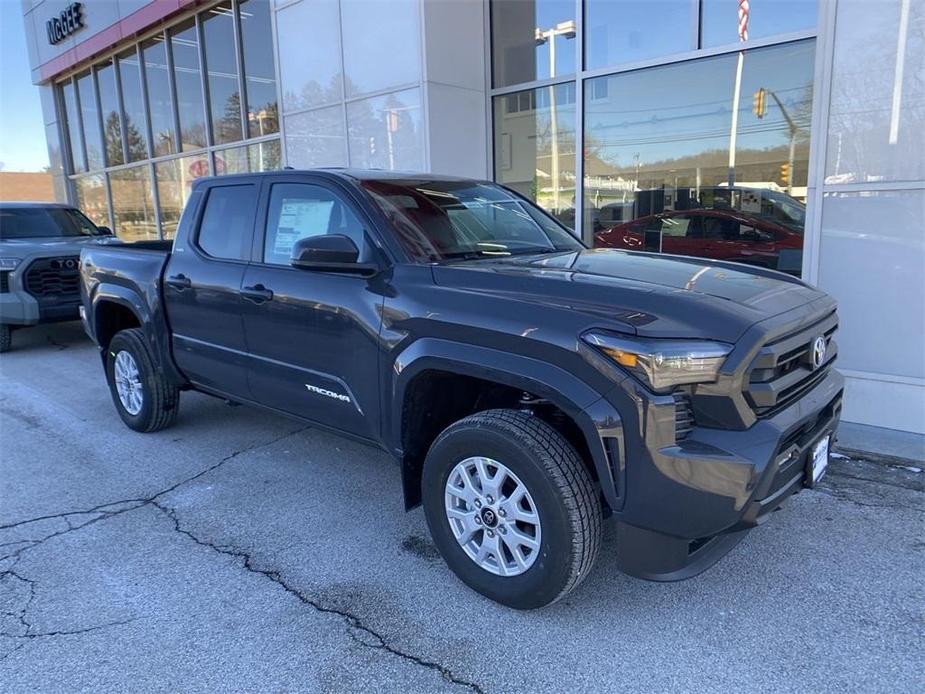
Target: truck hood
[
  {"x": 44, "y": 245},
  {"x": 643, "y": 293}
]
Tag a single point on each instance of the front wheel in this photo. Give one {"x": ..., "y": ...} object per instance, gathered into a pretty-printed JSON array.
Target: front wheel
[
  {"x": 143, "y": 397},
  {"x": 512, "y": 508}
]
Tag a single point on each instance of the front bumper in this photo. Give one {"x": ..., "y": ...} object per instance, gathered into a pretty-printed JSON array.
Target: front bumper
[
  {"x": 687, "y": 504},
  {"x": 19, "y": 307}
]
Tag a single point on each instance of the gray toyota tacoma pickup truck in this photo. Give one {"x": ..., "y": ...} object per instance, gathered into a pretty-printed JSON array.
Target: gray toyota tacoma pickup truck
[
  {"x": 40, "y": 246},
  {"x": 528, "y": 387}
]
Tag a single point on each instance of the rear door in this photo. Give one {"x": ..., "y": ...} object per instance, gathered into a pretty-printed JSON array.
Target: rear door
[
  {"x": 313, "y": 336},
  {"x": 202, "y": 289}
]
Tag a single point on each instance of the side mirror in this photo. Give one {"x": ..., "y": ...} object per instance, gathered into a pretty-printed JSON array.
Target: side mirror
[
  {"x": 105, "y": 231},
  {"x": 329, "y": 253}
]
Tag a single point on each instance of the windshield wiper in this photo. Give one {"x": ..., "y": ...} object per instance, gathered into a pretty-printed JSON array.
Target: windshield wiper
[
  {"x": 538, "y": 251},
  {"x": 467, "y": 255}
]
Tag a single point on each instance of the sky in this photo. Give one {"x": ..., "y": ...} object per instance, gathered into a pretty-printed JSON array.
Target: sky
[{"x": 22, "y": 133}]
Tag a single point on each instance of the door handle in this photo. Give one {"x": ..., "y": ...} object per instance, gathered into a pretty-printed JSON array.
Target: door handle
[
  {"x": 258, "y": 294},
  {"x": 179, "y": 282}
]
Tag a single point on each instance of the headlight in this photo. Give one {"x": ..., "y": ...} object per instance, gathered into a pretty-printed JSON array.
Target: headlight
[
  {"x": 663, "y": 364},
  {"x": 9, "y": 263}
]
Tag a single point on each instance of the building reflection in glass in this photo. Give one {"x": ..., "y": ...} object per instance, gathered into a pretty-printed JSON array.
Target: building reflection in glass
[{"x": 657, "y": 152}]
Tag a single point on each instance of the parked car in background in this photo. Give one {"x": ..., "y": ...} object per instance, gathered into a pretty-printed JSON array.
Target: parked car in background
[
  {"x": 717, "y": 234},
  {"x": 40, "y": 246},
  {"x": 529, "y": 387}
]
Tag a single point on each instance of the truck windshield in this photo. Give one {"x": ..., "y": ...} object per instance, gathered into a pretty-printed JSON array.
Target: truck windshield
[
  {"x": 446, "y": 220},
  {"x": 39, "y": 222}
]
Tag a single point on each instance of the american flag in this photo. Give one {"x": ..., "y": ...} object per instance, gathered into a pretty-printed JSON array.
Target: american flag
[{"x": 743, "y": 20}]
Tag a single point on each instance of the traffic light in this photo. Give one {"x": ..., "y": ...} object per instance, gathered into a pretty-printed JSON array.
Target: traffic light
[
  {"x": 760, "y": 102},
  {"x": 785, "y": 173}
]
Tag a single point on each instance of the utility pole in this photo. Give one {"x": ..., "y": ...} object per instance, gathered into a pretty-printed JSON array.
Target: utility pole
[
  {"x": 567, "y": 30},
  {"x": 793, "y": 128}
]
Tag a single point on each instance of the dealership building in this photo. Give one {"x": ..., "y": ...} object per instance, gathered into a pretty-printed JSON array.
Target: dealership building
[{"x": 785, "y": 133}]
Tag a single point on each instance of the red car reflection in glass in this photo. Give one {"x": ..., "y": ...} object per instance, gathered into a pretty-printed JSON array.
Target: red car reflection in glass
[{"x": 710, "y": 233}]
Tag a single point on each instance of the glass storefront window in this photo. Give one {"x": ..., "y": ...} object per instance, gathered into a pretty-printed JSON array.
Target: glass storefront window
[
  {"x": 624, "y": 31},
  {"x": 310, "y": 71},
  {"x": 657, "y": 158},
  {"x": 185, "y": 47},
  {"x": 385, "y": 131},
  {"x": 73, "y": 126},
  {"x": 112, "y": 120},
  {"x": 91, "y": 198},
  {"x": 316, "y": 138},
  {"x": 535, "y": 147},
  {"x": 133, "y": 203},
  {"x": 174, "y": 181},
  {"x": 90, "y": 117},
  {"x": 260, "y": 156},
  {"x": 877, "y": 109},
  {"x": 222, "y": 71},
  {"x": 133, "y": 105},
  {"x": 719, "y": 22},
  {"x": 160, "y": 106},
  {"x": 381, "y": 44},
  {"x": 532, "y": 40},
  {"x": 259, "y": 71}
]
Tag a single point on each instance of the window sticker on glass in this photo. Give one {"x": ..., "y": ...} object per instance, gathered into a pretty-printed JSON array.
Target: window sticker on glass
[{"x": 300, "y": 219}]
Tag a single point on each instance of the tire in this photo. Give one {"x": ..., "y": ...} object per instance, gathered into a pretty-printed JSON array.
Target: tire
[
  {"x": 159, "y": 399},
  {"x": 559, "y": 489},
  {"x": 6, "y": 338}
]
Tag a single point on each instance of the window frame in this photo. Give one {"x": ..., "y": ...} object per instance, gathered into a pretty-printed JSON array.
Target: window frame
[
  {"x": 162, "y": 34},
  {"x": 194, "y": 240},
  {"x": 583, "y": 73},
  {"x": 379, "y": 254}
]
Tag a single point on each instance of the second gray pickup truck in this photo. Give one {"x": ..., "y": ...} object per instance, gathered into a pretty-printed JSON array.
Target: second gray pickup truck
[
  {"x": 528, "y": 386},
  {"x": 40, "y": 246}
]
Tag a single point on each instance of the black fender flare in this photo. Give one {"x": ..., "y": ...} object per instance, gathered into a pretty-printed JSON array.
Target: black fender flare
[
  {"x": 108, "y": 293},
  {"x": 596, "y": 418}
]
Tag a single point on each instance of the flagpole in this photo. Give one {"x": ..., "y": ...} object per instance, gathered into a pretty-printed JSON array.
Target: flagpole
[
  {"x": 733, "y": 131},
  {"x": 737, "y": 90}
]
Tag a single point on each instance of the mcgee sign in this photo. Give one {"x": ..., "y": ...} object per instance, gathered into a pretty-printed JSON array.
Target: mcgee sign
[{"x": 70, "y": 20}]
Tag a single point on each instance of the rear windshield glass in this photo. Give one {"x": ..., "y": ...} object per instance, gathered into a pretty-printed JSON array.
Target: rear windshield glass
[
  {"x": 36, "y": 222},
  {"x": 446, "y": 220}
]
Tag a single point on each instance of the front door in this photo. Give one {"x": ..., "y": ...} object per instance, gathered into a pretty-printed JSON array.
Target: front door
[
  {"x": 202, "y": 290},
  {"x": 312, "y": 336}
]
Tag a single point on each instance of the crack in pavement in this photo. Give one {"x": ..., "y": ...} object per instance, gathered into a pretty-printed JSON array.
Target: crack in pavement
[
  {"x": 97, "y": 513},
  {"x": 354, "y": 623},
  {"x": 112, "y": 509},
  {"x": 841, "y": 495},
  {"x": 115, "y": 508},
  {"x": 28, "y": 634}
]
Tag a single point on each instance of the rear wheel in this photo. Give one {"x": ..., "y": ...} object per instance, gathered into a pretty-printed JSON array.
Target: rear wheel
[
  {"x": 6, "y": 338},
  {"x": 512, "y": 508},
  {"x": 144, "y": 398}
]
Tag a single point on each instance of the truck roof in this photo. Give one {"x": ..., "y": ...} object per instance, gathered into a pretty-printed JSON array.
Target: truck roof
[{"x": 348, "y": 173}]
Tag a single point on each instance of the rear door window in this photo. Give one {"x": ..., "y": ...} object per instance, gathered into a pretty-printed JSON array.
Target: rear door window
[{"x": 228, "y": 222}]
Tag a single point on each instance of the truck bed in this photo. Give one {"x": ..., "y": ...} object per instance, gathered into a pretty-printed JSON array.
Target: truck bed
[{"x": 130, "y": 275}]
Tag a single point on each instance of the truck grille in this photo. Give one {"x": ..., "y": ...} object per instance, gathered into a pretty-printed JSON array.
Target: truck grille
[
  {"x": 4, "y": 282},
  {"x": 783, "y": 370},
  {"x": 683, "y": 415},
  {"x": 53, "y": 277}
]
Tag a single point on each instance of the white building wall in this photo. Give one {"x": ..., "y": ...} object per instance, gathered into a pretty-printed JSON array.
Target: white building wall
[
  {"x": 867, "y": 233},
  {"x": 393, "y": 85}
]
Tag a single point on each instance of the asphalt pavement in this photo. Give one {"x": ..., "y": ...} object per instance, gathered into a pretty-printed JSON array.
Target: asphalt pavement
[{"x": 241, "y": 551}]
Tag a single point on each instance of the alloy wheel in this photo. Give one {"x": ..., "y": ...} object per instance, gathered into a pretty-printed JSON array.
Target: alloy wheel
[
  {"x": 128, "y": 382},
  {"x": 493, "y": 516}
]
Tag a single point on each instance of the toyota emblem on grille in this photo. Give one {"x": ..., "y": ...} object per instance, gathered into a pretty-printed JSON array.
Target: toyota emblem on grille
[{"x": 818, "y": 354}]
